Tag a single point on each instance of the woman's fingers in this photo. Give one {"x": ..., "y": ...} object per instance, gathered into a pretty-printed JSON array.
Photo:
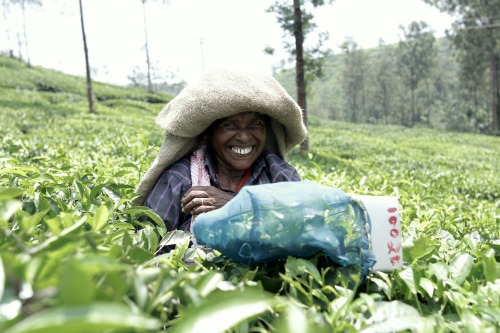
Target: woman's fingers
[
  {"x": 194, "y": 199},
  {"x": 189, "y": 204},
  {"x": 203, "y": 207},
  {"x": 201, "y": 199},
  {"x": 194, "y": 193}
]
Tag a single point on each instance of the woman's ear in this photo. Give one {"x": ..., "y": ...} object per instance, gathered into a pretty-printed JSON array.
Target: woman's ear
[{"x": 204, "y": 138}]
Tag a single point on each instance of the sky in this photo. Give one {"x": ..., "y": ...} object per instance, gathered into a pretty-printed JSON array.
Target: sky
[{"x": 186, "y": 37}]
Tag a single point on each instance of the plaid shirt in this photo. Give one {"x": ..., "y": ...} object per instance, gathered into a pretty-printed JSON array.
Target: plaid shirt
[{"x": 175, "y": 181}]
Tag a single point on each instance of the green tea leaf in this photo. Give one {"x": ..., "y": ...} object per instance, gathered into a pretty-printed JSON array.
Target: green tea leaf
[
  {"x": 130, "y": 165},
  {"x": 491, "y": 312},
  {"x": 22, "y": 171},
  {"x": 76, "y": 286},
  {"x": 28, "y": 223},
  {"x": 143, "y": 139},
  {"x": 54, "y": 224},
  {"x": 59, "y": 238},
  {"x": 223, "y": 310},
  {"x": 428, "y": 286},
  {"x": 97, "y": 317},
  {"x": 95, "y": 191},
  {"x": 48, "y": 203},
  {"x": 80, "y": 188},
  {"x": 2, "y": 279},
  {"x": 407, "y": 275},
  {"x": 140, "y": 292},
  {"x": 140, "y": 255},
  {"x": 490, "y": 266},
  {"x": 7, "y": 210},
  {"x": 10, "y": 193},
  {"x": 148, "y": 212},
  {"x": 208, "y": 283},
  {"x": 95, "y": 264},
  {"x": 461, "y": 266},
  {"x": 175, "y": 237},
  {"x": 299, "y": 266},
  {"x": 100, "y": 219},
  {"x": 422, "y": 248},
  {"x": 392, "y": 316},
  {"x": 295, "y": 320},
  {"x": 440, "y": 270}
]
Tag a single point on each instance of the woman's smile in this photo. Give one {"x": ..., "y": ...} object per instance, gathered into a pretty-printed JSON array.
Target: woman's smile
[
  {"x": 242, "y": 151},
  {"x": 238, "y": 141}
]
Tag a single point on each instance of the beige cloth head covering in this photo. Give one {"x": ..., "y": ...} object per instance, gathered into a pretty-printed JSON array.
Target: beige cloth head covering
[{"x": 220, "y": 94}]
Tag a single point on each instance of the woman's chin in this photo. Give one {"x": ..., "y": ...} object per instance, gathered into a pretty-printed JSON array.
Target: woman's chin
[{"x": 242, "y": 165}]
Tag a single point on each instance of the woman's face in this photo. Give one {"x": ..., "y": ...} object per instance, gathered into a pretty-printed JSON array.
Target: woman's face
[{"x": 238, "y": 140}]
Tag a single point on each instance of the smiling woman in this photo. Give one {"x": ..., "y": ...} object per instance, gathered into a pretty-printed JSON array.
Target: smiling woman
[
  {"x": 237, "y": 142},
  {"x": 227, "y": 130}
]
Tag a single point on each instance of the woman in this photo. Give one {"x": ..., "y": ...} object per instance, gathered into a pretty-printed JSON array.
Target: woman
[{"x": 227, "y": 130}]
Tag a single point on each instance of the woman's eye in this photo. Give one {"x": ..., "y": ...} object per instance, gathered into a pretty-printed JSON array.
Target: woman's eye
[
  {"x": 229, "y": 126},
  {"x": 257, "y": 124}
]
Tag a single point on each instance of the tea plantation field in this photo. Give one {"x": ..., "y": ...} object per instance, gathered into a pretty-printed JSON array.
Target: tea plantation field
[{"x": 74, "y": 256}]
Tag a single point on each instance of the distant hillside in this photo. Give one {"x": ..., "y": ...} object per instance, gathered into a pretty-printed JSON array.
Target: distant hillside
[
  {"x": 37, "y": 103},
  {"x": 15, "y": 74},
  {"x": 382, "y": 96}
]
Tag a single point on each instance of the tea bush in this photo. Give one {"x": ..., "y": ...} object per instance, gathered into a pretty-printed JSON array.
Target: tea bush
[{"x": 75, "y": 256}]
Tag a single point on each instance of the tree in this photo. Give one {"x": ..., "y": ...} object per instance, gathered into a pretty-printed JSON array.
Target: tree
[
  {"x": 162, "y": 81},
  {"x": 24, "y": 38},
  {"x": 473, "y": 61},
  {"x": 90, "y": 94},
  {"x": 385, "y": 83},
  {"x": 297, "y": 23},
  {"x": 353, "y": 80},
  {"x": 416, "y": 58},
  {"x": 146, "y": 46},
  {"x": 477, "y": 34},
  {"x": 5, "y": 6},
  {"x": 148, "y": 61}
]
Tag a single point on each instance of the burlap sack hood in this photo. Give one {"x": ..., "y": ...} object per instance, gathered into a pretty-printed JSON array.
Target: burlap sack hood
[{"x": 220, "y": 94}]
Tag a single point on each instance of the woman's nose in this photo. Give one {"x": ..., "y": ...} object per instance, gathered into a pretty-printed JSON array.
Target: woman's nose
[{"x": 243, "y": 133}]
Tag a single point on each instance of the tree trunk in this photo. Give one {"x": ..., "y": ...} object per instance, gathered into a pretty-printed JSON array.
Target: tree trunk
[
  {"x": 299, "y": 69},
  {"x": 19, "y": 45},
  {"x": 148, "y": 62},
  {"x": 362, "y": 107},
  {"x": 23, "y": 8},
  {"x": 428, "y": 104},
  {"x": 354, "y": 106},
  {"x": 90, "y": 94},
  {"x": 495, "y": 107},
  {"x": 412, "y": 121},
  {"x": 385, "y": 103}
]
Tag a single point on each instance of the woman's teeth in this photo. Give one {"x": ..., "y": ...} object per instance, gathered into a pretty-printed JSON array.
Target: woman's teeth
[{"x": 241, "y": 151}]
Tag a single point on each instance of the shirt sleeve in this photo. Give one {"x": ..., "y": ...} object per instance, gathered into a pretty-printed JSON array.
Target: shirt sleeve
[
  {"x": 280, "y": 170},
  {"x": 165, "y": 199}
]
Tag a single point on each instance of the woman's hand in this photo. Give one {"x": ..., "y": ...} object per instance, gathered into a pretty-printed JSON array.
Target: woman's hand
[{"x": 202, "y": 199}]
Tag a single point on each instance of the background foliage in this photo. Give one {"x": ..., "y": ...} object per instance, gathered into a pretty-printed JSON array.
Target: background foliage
[
  {"x": 74, "y": 256},
  {"x": 452, "y": 83},
  {"x": 371, "y": 76}
]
